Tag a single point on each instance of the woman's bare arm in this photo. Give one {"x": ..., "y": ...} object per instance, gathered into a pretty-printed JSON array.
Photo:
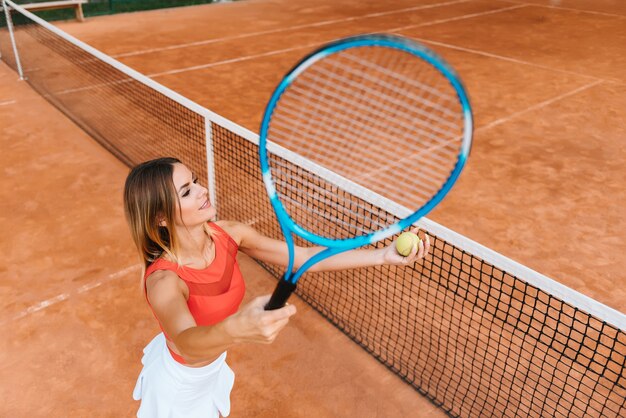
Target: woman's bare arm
[
  {"x": 197, "y": 344},
  {"x": 274, "y": 251}
]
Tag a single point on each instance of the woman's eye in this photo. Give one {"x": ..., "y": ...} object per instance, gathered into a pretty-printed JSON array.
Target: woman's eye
[{"x": 186, "y": 193}]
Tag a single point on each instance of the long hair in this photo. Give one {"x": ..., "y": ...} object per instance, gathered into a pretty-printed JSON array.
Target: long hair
[{"x": 150, "y": 202}]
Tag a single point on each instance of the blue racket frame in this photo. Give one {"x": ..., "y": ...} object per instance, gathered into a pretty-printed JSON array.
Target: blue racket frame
[{"x": 336, "y": 246}]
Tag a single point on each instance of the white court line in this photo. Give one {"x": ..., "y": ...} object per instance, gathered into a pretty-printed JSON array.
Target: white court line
[
  {"x": 40, "y": 306},
  {"x": 276, "y": 52},
  {"x": 503, "y": 58},
  {"x": 8, "y": 102},
  {"x": 459, "y": 48},
  {"x": 64, "y": 296},
  {"x": 452, "y": 19},
  {"x": 550, "y": 6},
  {"x": 290, "y": 28},
  {"x": 246, "y": 58},
  {"x": 537, "y": 106}
]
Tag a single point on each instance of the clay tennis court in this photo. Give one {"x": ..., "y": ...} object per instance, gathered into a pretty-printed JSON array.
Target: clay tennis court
[{"x": 545, "y": 186}]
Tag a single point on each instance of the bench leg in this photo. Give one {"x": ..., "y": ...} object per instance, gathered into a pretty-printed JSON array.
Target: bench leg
[{"x": 79, "y": 13}]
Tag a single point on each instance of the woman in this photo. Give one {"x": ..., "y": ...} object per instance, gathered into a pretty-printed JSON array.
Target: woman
[{"x": 194, "y": 288}]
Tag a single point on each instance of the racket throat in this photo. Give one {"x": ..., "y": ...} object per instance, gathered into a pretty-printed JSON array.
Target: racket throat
[{"x": 283, "y": 290}]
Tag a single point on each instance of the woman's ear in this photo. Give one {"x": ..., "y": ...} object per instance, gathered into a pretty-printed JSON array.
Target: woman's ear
[{"x": 161, "y": 220}]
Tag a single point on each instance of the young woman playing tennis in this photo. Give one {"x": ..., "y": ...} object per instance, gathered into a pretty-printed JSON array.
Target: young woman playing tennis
[{"x": 194, "y": 288}]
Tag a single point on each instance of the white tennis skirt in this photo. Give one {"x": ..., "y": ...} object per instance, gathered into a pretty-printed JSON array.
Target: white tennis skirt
[{"x": 168, "y": 389}]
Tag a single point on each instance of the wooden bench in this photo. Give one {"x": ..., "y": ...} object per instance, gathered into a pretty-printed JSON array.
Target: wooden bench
[{"x": 61, "y": 4}]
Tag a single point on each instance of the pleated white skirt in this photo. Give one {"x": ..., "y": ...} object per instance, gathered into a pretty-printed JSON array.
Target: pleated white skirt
[{"x": 168, "y": 389}]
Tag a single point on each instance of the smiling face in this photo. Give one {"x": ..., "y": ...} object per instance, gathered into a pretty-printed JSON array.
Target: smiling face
[{"x": 193, "y": 207}]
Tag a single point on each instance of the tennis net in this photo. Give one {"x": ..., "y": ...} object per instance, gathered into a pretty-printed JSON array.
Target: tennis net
[{"x": 475, "y": 332}]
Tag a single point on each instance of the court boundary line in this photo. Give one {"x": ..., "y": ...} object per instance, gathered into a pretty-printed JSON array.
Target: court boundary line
[
  {"x": 230, "y": 61},
  {"x": 539, "y": 105},
  {"x": 275, "y": 52},
  {"x": 8, "y": 102},
  {"x": 442, "y": 44},
  {"x": 452, "y": 19},
  {"x": 279, "y": 30},
  {"x": 44, "y": 304},
  {"x": 548, "y": 6},
  {"x": 513, "y": 60}
]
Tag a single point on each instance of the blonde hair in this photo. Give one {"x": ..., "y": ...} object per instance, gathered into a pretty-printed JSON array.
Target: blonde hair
[{"x": 150, "y": 202}]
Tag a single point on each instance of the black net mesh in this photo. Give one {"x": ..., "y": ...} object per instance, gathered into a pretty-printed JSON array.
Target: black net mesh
[{"x": 474, "y": 339}]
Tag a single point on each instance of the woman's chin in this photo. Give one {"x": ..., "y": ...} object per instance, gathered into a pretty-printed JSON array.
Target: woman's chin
[{"x": 209, "y": 215}]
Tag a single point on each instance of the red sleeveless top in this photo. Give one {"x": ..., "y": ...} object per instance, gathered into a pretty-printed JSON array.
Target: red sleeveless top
[{"x": 215, "y": 292}]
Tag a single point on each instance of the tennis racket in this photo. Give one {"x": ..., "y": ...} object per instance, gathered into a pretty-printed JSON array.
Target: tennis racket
[{"x": 363, "y": 123}]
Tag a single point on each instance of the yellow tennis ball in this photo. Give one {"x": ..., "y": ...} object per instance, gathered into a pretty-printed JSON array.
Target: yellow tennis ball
[{"x": 406, "y": 242}]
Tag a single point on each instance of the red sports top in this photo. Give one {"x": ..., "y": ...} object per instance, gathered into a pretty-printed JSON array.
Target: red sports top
[{"x": 215, "y": 292}]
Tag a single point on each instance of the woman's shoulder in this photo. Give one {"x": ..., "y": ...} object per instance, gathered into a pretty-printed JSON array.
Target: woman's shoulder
[
  {"x": 162, "y": 283},
  {"x": 158, "y": 276},
  {"x": 232, "y": 228},
  {"x": 160, "y": 264}
]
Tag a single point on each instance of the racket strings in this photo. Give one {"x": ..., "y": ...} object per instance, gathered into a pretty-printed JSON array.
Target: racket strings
[
  {"x": 296, "y": 183},
  {"x": 314, "y": 198},
  {"x": 401, "y": 127},
  {"x": 392, "y": 66},
  {"x": 395, "y": 88},
  {"x": 339, "y": 97},
  {"x": 336, "y": 138},
  {"x": 373, "y": 178},
  {"x": 388, "y": 93},
  {"x": 437, "y": 153},
  {"x": 318, "y": 213}
]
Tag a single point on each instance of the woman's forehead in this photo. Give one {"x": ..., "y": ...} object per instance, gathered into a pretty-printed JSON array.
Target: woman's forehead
[{"x": 181, "y": 175}]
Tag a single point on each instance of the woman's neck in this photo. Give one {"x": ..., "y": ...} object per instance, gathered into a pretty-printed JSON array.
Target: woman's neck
[{"x": 194, "y": 244}]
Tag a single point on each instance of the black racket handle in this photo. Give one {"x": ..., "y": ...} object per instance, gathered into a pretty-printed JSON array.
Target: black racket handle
[{"x": 283, "y": 290}]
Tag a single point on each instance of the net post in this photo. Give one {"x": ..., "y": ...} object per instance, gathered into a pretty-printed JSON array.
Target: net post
[
  {"x": 79, "y": 13},
  {"x": 7, "y": 14},
  {"x": 210, "y": 161}
]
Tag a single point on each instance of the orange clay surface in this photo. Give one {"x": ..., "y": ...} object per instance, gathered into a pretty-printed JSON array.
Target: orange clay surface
[{"x": 545, "y": 186}]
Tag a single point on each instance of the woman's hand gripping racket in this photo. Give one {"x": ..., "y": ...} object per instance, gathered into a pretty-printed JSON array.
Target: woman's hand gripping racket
[{"x": 361, "y": 139}]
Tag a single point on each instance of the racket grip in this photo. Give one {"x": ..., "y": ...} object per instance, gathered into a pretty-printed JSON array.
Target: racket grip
[{"x": 283, "y": 290}]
